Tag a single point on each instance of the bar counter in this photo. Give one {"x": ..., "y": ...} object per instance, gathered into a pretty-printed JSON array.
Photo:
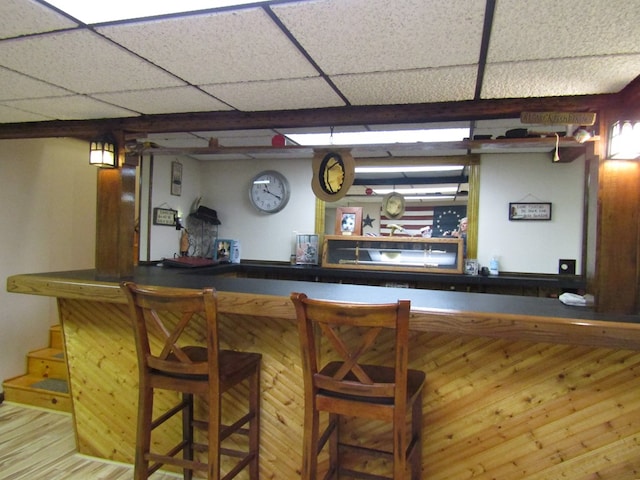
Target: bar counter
[{"x": 517, "y": 387}]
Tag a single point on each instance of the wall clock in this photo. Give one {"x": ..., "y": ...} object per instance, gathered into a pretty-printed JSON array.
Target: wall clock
[{"x": 269, "y": 191}]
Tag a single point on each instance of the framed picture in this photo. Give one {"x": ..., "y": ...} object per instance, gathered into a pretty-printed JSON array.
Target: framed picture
[
  {"x": 530, "y": 211},
  {"x": 176, "y": 178},
  {"x": 471, "y": 266},
  {"x": 306, "y": 249},
  {"x": 164, "y": 216},
  {"x": 348, "y": 221}
]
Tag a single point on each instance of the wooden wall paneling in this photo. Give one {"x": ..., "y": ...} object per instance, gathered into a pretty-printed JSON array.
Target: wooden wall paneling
[
  {"x": 493, "y": 407},
  {"x": 618, "y": 248},
  {"x": 115, "y": 222}
]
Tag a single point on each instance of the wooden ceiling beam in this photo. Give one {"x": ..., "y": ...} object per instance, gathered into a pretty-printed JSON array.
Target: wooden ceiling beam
[{"x": 324, "y": 117}]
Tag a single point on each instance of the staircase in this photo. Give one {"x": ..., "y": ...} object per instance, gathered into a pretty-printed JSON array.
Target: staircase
[{"x": 45, "y": 384}]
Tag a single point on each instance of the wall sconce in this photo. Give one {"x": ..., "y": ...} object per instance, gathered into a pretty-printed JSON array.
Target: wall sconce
[
  {"x": 624, "y": 140},
  {"x": 102, "y": 152}
]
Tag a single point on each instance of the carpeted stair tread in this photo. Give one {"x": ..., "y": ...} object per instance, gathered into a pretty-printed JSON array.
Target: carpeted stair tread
[{"x": 52, "y": 385}]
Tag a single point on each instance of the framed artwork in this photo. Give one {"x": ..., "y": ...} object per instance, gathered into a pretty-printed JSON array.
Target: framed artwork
[
  {"x": 530, "y": 211},
  {"x": 306, "y": 249},
  {"x": 176, "y": 178},
  {"x": 471, "y": 266},
  {"x": 348, "y": 221}
]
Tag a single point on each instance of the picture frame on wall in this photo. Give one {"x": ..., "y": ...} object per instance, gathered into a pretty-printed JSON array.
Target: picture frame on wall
[
  {"x": 348, "y": 221},
  {"x": 165, "y": 216},
  {"x": 176, "y": 178},
  {"x": 529, "y": 211}
]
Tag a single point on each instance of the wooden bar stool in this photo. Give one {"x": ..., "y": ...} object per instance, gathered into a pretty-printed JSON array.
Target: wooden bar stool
[
  {"x": 190, "y": 370},
  {"x": 343, "y": 385}
]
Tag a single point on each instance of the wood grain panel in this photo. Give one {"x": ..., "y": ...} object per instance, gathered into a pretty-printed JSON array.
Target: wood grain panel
[
  {"x": 494, "y": 407},
  {"x": 618, "y": 236}
]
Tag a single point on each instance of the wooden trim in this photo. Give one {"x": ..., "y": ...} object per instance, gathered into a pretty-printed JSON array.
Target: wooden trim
[{"x": 336, "y": 116}]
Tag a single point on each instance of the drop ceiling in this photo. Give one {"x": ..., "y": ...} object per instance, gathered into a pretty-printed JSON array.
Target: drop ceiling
[{"x": 323, "y": 55}]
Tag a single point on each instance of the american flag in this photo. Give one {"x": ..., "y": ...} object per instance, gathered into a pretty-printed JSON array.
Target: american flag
[{"x": 440, "y": 219}]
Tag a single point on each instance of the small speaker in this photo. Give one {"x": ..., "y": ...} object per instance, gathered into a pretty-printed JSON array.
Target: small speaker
[{"x": 566, "y": 267}]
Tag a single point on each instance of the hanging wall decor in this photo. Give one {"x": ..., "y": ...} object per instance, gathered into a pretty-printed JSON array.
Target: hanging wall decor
[
  {"x": 530, "y": 211},
  {"x": 176, "y": 178}
]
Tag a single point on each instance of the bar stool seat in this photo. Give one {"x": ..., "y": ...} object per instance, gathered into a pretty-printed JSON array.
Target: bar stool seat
[
  {"x": 336, "y": 340},
  {"x": 167, "y": 362}
]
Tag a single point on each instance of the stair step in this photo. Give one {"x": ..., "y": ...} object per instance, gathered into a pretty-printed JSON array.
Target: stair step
[
  {"x": 47, "y": 363},
  {"x": 51, "y": 393},
  {"x": 55, "y": 337}
]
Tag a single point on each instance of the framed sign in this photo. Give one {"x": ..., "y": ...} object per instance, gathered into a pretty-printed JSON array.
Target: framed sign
[
  {"x": 530, "y": 211},
  {"x": 348, "y": 221},
  {"x": 164, "y": 216}
]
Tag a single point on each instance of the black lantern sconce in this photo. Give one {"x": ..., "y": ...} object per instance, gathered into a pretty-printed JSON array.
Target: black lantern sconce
[{"x": 103, "y": 152}]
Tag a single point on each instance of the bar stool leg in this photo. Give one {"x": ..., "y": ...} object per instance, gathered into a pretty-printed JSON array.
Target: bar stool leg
[
  {"x": 143, "y": 432},
  {"x": 254, "y": 424},
  {"x": 416, "y": 432},
  {"x": 334, "y": 450},
  {"x": 187, "y": 432}
]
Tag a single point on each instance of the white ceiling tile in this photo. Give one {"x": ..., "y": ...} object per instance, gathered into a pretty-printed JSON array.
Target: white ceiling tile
[
  {"x": 379, "y": 35},
  {"x": 224, "y": 47},
  {"x": 164, "y": 100},
  {"x": 24, "y": 17},
  {"x": 16, "y": 86},
  {"x": 551, "y": 29},
  {"x": 277, "y": 94},
  {"x": 403, "y": 87},
  {"x": 14, "y": 115},
  {"x": 75, "y": 107},
  {"x": 574, "y": 76},
  {"x": 83, "y": 62}
]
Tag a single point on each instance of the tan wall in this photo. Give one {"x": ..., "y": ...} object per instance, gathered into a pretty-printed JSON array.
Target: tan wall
[{"x": 48, "y": 194}]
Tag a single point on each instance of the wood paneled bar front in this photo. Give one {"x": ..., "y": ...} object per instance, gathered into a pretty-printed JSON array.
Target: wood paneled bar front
[{"x": 517, "y": 387}]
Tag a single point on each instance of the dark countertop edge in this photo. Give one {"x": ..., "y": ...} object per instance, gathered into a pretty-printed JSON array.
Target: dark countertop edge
[
  {"x": 506, "y": 279},
  {"x": 514, "y": 317},
  {"x": 454, "y": 301}
]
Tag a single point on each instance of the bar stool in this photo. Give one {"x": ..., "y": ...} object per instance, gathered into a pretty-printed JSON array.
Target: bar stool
[
  {"x": 348, "y": 387},
  {"x": 190, "y": 370}
]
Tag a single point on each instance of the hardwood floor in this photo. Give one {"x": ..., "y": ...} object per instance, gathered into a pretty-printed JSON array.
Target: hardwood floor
[{"x": 38, "y": 444}]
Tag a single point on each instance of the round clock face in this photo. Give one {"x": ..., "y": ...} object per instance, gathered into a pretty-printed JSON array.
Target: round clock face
[{"x": 269, "y": 191}]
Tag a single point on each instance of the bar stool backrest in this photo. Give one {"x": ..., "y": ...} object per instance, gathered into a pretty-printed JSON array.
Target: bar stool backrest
[
  {"x": 171, "y": 312},
  {"x": 349, "y": 375}
]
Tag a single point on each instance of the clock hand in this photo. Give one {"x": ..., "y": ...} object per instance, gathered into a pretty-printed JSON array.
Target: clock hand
[{"x": 266, "y": 189}]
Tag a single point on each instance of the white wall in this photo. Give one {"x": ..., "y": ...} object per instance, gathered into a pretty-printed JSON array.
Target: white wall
[
  {"x": 165, "y": 239},
  {"x": 530, "y": 246},
  {"x": 48, "y": 193},
  {"x": 224, "y": 187},
  {"x": 262, "y": 237}
]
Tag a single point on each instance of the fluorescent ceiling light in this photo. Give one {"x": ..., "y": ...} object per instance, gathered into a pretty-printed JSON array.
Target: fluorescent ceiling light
[
  {"x": 409, "y": 169},
  {"x": 90, "y": 11},
  {"x": 416, "y": 191},
  {"x": 381, "y": 137},
  {"x": 435, "y": 198}
]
